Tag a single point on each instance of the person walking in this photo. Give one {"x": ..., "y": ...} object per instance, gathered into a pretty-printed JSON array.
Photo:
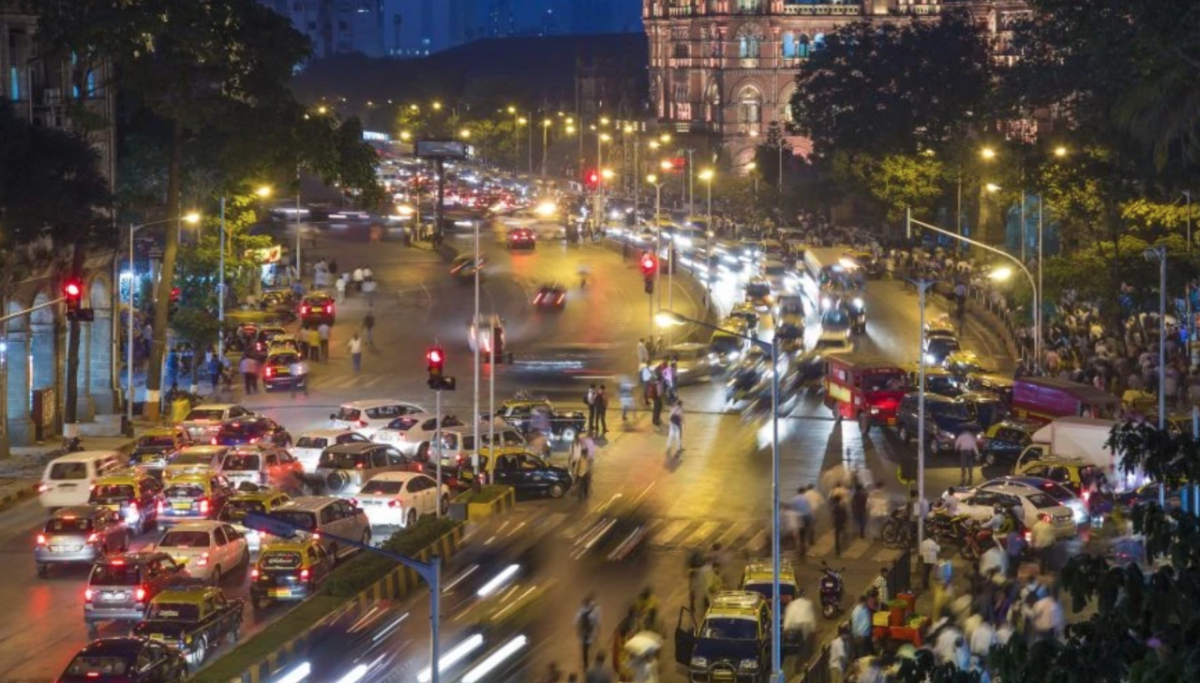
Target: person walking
[
  {"x": 929, "y": 558},
  {"x": 298, "y": 369},
  {"x": 580, "y": 467},
  {"x": 838, "y": 512},
  {"x": 358, "y": 279},
  {"x": 600, "y": 400},
  {"x": 967, "y": 447},
  {"x": 860, "y": 629},
  {"x": 643, "y": 353},
  {"x": 654, "y": 391},
  {"x": 249, "y": 371},
  {"x": 214, "y": 372},
  {"x": 589, "y": 399},
  {"x": 804, "y": 519},
  {"x": 878, "y": 508},
  {"x": 646, "y": 377},
  {"x": 625, "y": 391},
  {"x": 858, "y": 508},
  {"x": 314, "y": 344},
  {"x": 815, "y": 502},
  {"x": 340, "y": 286},
  {"x": 369, "y": 329},
  {"x": 675, "y": 430},
  {"x": 587, "y": 626},
  {"x": 839, "y": 655},
  {"x": 598, "y": 673},
  {"x": 323, "y": 335},
  {"x": 355, "y": 346}
]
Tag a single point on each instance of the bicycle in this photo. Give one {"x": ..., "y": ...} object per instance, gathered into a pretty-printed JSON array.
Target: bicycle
[{"x": 897, "y": 530}]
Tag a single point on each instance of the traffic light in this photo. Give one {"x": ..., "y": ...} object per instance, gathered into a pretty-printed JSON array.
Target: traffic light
[
  {"x": 649, "y": 264},
  {"x": 649, "y": 284},
  {"x": 72, "y": 293},
  {"x": 436, "y": 360},
  {"x": 592, "y": 178}
]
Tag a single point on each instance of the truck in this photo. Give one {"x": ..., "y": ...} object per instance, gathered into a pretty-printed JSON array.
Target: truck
[
  {"x": 1077, "y": 438},
  {"x": 1045, "y": 399}
]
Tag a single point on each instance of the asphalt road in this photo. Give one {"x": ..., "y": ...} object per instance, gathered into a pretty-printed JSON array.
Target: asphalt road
[{"x": 718, "y": 492}]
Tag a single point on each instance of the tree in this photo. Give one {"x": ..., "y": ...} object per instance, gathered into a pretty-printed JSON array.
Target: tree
[
  {"x": 195, "y": 64},
  {"x": 51, "y": 192}
]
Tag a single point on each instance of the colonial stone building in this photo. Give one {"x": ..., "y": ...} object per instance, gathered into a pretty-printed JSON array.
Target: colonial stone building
[{"x": 723, "y": 69}]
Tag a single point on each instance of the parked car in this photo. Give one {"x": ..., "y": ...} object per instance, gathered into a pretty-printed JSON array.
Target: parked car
[
  {"x": 289, "y": 570},
  {"x": 155, "y": 446},
  {"x": 80, "y": 534},
  {"x": 195, "y": 459},
  {"x": 316, "y": 308},
  {"x": 520, "y": 413},
  {"x": 193, "y": 497},
  {"x": 261, "y": 501},
  {"x": 1029, "y": 503},
  {"x": 277, "y": 370},
  {"x": 1005, "y": 441}
]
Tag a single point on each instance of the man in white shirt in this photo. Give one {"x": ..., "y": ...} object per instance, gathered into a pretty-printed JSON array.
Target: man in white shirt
[
  {"x": 982, "y": 639},
  {"x": 967, "y": 448},
  {"x": 929, "y": 558},
  {"x": 838, "y": 655}
]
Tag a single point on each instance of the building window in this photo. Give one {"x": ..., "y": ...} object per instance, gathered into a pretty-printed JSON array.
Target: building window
[
  {"x": 749, "y": 41},
  {"x": 818, "y": 42},
  {"x": 681, "y": 50},
  {"x": 802, "y": 46},
  {"x": 749, "y": 106},
  {"x": 749, "y": 5},
  {"x": 14, "y": 83},
  {"x": 681, "y": 92},
  {"x": 788, "y": 45}
]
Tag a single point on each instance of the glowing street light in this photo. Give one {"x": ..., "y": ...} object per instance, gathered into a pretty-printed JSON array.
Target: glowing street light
[
  {"x": 1001, "y": 274},
  {"x": 405, "y": 135},
  {"x": 437, "y": 106},
  {"x": 263, "y": 191},
  {"x": 666, "y": 165},
  {"x": 987, "y": 153},
  {"x": 992, "y": 187},
  {"x": 191, "y": 218},
  {"x": 511, "y": 109},
  {"x": 465, "y": 133},
  {"x": 322, "y": 109},
  {"x": 607, "y": 173},
  {"x": 665, "y": 138},
  {"x": 1060, "y": 151}
]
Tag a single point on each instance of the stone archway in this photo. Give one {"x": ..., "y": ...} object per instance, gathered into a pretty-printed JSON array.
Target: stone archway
[
  {"x": 96, "y": 353},
  {"x": 14, "y": 355},
  {"x": 43, "y": 371}
]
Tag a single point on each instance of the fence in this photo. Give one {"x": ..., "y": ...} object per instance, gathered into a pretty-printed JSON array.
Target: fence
[{"x": 899, "y": 580}]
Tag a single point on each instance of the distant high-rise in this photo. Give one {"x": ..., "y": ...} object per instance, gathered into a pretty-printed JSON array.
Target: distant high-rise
[
  {"x": 336, "y": 26},
  {"x": 498, "y": 23}
]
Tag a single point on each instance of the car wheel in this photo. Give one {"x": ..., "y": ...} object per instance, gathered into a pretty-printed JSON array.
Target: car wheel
[
  {"x": 445, "y": 505},
  {"x": 989, "y": 458},
  {"x": 199, "y": 652},
  {"x": 244, "y": 563},
  {"x": 423, "y": 452},
  {"x": 410, "y": 520},
  {"x": 215, "y": 578},
  {"x": 904, "y": 435},
  {"x": 556, "y": 491},
  {"x": 569, "y": 434},
  {"x": 43, "y": 571}
]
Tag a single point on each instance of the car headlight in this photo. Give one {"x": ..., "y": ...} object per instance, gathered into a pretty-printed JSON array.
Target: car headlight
[
  {"x": 874, "y": 410},
  {"x": 930, "y": 358},
  {"x": 699, "y": 662},
  {"x": 858, "y": 303},
  {"x": 944, "y": 435},
  {"x": 826, "y": 302},
  {"x": 1078, "y": 511},
  {"x": 734, "y": 355},
  {"x": 748, "y": 664}
]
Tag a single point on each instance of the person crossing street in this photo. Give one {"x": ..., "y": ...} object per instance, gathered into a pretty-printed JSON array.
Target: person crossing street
[
  {"x": 967, "y": 447},
  {"x": 369, "y": 329},
  {"x": 355, "y": 346}
]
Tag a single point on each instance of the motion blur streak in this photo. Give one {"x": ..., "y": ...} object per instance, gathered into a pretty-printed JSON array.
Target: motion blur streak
[
  {"x": 459, "y": 579},
  {"x": 356, "y": 674},
  {"x": 389, "y": 628},
  {"x": 298, "y": 674},
  {"x": 366, "y": 619},
  {"x": 495, "y": 659},
  {"x": 451, "y": 658},
  {"x": 499, "y": 580}
]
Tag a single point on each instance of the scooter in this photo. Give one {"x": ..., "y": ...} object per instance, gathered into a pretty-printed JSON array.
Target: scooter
[{"x": 833, "y": 589}]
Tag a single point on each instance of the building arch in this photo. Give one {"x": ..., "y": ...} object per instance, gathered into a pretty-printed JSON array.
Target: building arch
[
  {"x": 14, "y": 353},
  {"x": 788, "y": 45},
  {"x": 749, "y": 101},
  {"x": 749, "y": 38},
  {"x": 784, "y": 114},
  {"x": 803, "y": 46},
  {"x": 96, "y": 350},
  {"x": 41, "y": 345}
]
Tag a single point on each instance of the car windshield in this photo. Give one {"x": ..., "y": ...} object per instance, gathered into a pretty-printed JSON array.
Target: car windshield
[
  {"x": 67, "y": 525},
  {"x": 758, "y": 290},
  {"x": 836, "y": 318},
  {"x": 764, "y": 588},
  {"x": 724, "y": 343},
  {"x": 729, "y": 628},
  {"x": 111, "y": 493},
  {"x": 181, "y": 611},
  {"x": 1056, "y": 492},
  {"x": 143, "y": 458},
  {"x": 242, "y": 462},
  {"x": 383, "y": 487},
  {"x": 237, "y": 509},
  {"x": 279, "y": 560},
  {"x": 312, "y": 442},
  {"x": 282, "y": 359},
  {"x": 940, "y": 384},
  {"x": 831, "y": 344},
  {"x": 210, "y": 414},
  {"x": 342, "y": 461},
  {"x": 241, "y": 428},
  {"x": 95, "y": 667},
  {"x": 402, "y": 424},
  {"x": 184, "y": 491},
  {"x": 883, "y": 381},
  {"x": 114, "y": 575},
  {"x": 70, "y": 471},
  {"x": 348, "y": 414},
  {"x": 164, "y": 441},
  {"x": 775, "y": 269},
  {"x": 192, "y": 459},
  {"x": 185, "y": 539},
  {"x": 956, "y": 411},
  {"x": 303, "y": 520},
  {"x": 943, "y": 345},
  {"x": 1042, "y": 501}
]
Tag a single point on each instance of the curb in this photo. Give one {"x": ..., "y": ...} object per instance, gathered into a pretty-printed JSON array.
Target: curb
[
  {"x": 18, "y": 496},
  {"x": 480, "y": 511},
  {"x": 398, "y": 584}
]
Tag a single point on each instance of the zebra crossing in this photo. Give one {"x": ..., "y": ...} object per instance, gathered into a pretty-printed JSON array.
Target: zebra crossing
[{"x": 749, "y": 536}]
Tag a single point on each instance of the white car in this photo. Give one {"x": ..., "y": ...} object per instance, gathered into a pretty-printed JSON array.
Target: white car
[
  {"x": 396, "y": 432},
  {"x": 205, "y": 419},
  {"x": 400, "y": 498},
  {"x": 209, "y": 550},
  {"x": 1055, "y": 490},
  {"x": 980, "y": 504},
  {"x": 308, "y": 447},
  {"x": 368, "y": 417},
  {"x": 831, "y": 342}
]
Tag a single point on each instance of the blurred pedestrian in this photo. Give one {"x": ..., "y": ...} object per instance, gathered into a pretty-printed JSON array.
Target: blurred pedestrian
[
  {"x": 323, "y": 335},
  {"x": 1042, "y": 539},
  {"x": 654, "y": 391},
  {"x": 598, "y": 673},
  {"x": 860, "y": 629},
  {"x": 587, "y": 626},
  {"x": 298, "y": 370},
  {"x": 589, "y": 399},
  {"x": 249, "y": 369},
  {"x": 929, "y": 558},
  {"x": 840, "y": 517},
  {"x": 355, "y": 347},
  {"x": 878, "y": 508},
  {"x": 369, "y": 329},
  {"x": 314, "y": 343},
  {"x": 858, "y": 508},
  {"x": 839, "y": 655},
  {"x": 967, "y": 447},
  {"x": 816, "y": 503},
  {"x": 357, "y": 276},
  {"x": 581, "y": 472},
  {"x": 643, "y": 353},
  {"x": 675, "y": 433},
  {"x": 627, "y": 404},
  {"x": 340, "y": 286},
  {"x": 600, "y": 400}
]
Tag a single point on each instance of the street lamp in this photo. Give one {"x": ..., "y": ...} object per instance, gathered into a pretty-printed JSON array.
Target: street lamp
[
  {"x": 1060, "y": 151},
  {"x": 546, "y": 123},
  {"x": 190, "y": 218},
  {"x": 465, "y": 134},
  {"x": 673, "y": 319},
  {"x": 405, "y": 136},
  {"x": 437, "y": 106},
  {"x": 1159, "y": 253},
  {"x": 987, "y": 153},
  {"x": 601, "y": 138},
  {"x": 653, "y": 180}
]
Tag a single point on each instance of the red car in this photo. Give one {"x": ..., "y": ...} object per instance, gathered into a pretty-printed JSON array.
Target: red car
[
  {"x": 522, "y": 238},
  {"x": 550, "y": 296}
]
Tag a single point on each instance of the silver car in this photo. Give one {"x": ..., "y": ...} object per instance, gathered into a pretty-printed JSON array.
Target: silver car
[
  {"x": 343, "y": 469},
  {"x": 693, "y": 362},
  {"x": 81, "y": 534}
]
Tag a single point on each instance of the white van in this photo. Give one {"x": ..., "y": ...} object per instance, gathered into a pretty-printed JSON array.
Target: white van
[{"x": 68, "y": 479}]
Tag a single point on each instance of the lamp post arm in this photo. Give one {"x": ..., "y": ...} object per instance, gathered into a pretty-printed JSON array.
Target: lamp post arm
[{"x": 765, "y": 346}]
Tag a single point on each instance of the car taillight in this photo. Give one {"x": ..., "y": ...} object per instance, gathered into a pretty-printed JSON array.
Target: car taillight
[
  {"x": 1086, "y": 496},
  {"x": 158, "y": 507},
  {"x": 560, "y": 298},
  {"x": 133, "y": 505},
  {"x": 329, "y": 308},
  {"x": 270, "y": 371},
  {"x": 254, "y": 573},
  {"x": 140, "y": 594},
  {"x": 1044, "y": 518},
  {"x": 203, "y": 561},
  {"x": 94, "y": 538},
  {"x": 304, "y": 575},
  {"x": 41, "y": 539},
  {"x": 213, "y": 441},
  {"x": 361, "y": 423},
  {"x": 354, "y": 502},
  {"x": 43, "y": 488},
  {"x": 395, "y": 503},
  {"x": 304, "y": 310},
  {"x": 87, "y": 594},
  {"x": 316, "y": 536},
  {"x": 1028, "y": 536},
  {"x": 204, "y": 505}
]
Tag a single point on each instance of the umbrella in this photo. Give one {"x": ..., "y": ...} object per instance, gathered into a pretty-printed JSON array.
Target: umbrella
[{"x": 643, "y": 643}]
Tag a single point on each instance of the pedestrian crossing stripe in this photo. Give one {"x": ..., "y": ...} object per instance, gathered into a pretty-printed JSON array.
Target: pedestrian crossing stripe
[{"x": 674, "y": 529}]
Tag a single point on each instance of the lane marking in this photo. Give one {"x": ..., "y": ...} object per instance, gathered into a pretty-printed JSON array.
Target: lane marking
[
  {"x": 701, "y": 533},
  {"x": 671, "y": 531},
  {"x": 856, "y": 549}
]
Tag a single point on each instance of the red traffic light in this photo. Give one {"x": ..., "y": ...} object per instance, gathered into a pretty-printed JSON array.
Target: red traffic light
[
  {"x": 592, "y": 178},
  {"x": 435, "y": 356},
  {"x": 649, "y": 264},
  {"x": 73, "y": 290}
]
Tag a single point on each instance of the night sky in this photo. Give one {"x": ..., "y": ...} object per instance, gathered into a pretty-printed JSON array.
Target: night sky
[{"x": 529, "y": 12}]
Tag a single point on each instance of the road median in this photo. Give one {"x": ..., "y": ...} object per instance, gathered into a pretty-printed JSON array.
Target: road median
[{"x": 350, "y": 589}]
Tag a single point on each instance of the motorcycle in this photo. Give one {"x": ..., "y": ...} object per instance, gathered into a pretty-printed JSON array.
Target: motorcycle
[
  {"x": 833, "y": 589},
  {"x": 72, "y": 445},
  {"x": 897, "y": 529}
]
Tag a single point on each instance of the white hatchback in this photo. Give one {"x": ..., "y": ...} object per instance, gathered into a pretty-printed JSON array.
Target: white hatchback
[
  {"x": 400, "y": 498},
  {"x": 209, "y": 550},
  {"x": 980, "y": 505},
  {"x": 368, "y": 417},
  {"x": 308, "y": 447}
]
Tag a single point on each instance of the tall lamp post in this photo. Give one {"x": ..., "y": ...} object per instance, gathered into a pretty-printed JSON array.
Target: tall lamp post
[
  {"x": 673, "y": 319},
  {"x": 1159, "y": 253},
  {"x": 191, "y": 219},
  {"x": 653, "y": 180},
  {"x": 546, "y": 123},
  {"x": 707, "y": 176}
]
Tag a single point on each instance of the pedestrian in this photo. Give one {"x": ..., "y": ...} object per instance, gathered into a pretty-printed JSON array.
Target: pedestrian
[
  {"x": 298, "y": 370},
  {"x": 340, "y": 287},
  {"x": 646, "y": 377},
  {"x": 643, "y": 353},
  {"x": 626, "y": 396},
  {"x": 804, "y": 519},
  {"x": 368, "y": 287},
  {"x": 600, "y": 400},
  {"x": 249, "y": 371},
  {"x": 332, "y": 267},
  {"x": 858, "y": 508},
  {"x": 214, "y": 372},
  {"x": 839, "y": 655},
  {"x": 860, "y": 629},
  {"x": 314, "y": 344},
  {"x": 369, "y": 329},
  {"x": 302, "y": 341},
  {"x": 675, "y": 433},
  {"x": 598, "y": 673},
  {"x": 967, "y": 447},
  {"x": 355, "y": 346},
  {"x": 1042, "y": 538},
  {"x": 816, "y": 502},
  {"x": 587, "y": 625},
  {"x": 323, "y": 335},
  {"x": 656, "y": 402},
  {"x": 838, "y": 511},
  {"x": 880, "y": 587},
  {"x": 589, "y": 399},
  {"x": 878, "y": 508},
  {"x": 580, "y": 468},
  {"x": 929, "y": 558},
  {"x": 358, "y": 279}
]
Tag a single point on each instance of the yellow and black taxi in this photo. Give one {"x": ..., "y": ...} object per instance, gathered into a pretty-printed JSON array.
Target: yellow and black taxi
[
  {"x": 288, "y": 570},
  {"x": 1005, "y": 440},
  {"x": 731, "y": 643},
  {"x": 125, "y": 660},
  {"x": 195, "y": 459},
  {"x": 262, "y": 501},
  {"x": 193, "y": 496},
  {"x": 937, "y": 380},
  {"x": 277, "y": 370},
  {"x": 757, "y": 578},
  {"x": 1074, "y": 473},
  {"x": 192, "y": 620},
  {"x": 132, "y": 493},
  {"x": 155, "y": 447}
]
